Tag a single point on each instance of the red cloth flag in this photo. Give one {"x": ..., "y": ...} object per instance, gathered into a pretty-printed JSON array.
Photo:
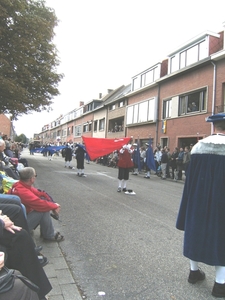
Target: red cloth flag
[{"x": 97, "y": 147}]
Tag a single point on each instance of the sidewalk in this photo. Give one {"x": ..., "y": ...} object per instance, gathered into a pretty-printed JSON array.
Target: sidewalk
[{"x": 58, "y": 272}]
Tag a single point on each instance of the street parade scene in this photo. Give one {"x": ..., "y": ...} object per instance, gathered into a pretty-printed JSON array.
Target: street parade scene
[{"x": 112, "y": 150}]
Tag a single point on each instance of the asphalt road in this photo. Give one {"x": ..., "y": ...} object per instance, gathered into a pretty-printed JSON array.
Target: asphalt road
[{"x": 124, "y": 246}]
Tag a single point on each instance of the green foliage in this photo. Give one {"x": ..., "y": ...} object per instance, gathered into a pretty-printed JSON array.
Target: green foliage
[
  {"x": 28, "y": 57},
  {"x": 21, "y": 138}
]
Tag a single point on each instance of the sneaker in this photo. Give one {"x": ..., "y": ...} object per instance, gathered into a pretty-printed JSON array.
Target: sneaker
[
  {"x": 218, "y": 290},
  {"x": 148, "y": 177},
  {"x": 195, "y": 276},
  {"x": 119, "y": 189},
  {"x": 124, "y": 189}
]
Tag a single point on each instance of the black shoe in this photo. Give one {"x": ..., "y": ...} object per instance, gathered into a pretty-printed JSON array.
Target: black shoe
[
  {"x": 124, "y": 189},
  {"x": 218, "y": 290},
  {"x": 42, "y": 260},
  {"x": 38, "y": 249},
  {"x": 119, "y": 189},
  {"x": 196, "y": 276}
]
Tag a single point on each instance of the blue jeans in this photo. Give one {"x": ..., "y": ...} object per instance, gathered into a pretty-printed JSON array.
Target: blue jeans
[{"x": 12, "y": 199}]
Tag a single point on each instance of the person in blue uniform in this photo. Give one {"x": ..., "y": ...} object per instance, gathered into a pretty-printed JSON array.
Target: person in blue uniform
[{"x": 202, "y": 210}]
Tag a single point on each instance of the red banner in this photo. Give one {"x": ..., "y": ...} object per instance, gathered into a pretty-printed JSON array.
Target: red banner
[{"x": 97, "y": 147}]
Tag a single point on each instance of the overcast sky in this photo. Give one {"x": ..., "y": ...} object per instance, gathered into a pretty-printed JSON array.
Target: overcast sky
[{"x": 102, "y": 44}]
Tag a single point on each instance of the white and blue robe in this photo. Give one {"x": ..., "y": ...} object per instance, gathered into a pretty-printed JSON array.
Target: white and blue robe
[{"x": 202, "y": 210}]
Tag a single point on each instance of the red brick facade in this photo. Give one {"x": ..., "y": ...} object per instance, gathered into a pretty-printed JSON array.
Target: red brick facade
[{"x": 5, "y": 125}]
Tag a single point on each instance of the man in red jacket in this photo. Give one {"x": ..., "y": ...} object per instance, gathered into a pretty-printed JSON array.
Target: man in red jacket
[
  {"x": 125, "y": 163},
  {"x": 38, "y": 205}
]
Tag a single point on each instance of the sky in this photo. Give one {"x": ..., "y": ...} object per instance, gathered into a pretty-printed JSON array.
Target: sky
[{"x": 102, "y": 44}]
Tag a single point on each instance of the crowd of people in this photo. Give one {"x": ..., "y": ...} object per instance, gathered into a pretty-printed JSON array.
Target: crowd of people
[
  {"x": 22, "y": 210},
  {"x": 167, "y": 164}
]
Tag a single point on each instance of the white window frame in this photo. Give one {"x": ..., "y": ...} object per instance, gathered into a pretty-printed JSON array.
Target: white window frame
[
  {"x": 101, "y": 124},
  {"x": 189, "y": 55},
  {"x": 136, "y": 115},
  {"x": 185, "y": 101},
  {"x": 167, "y": 108},
  {"x": 77, "y": 131}
]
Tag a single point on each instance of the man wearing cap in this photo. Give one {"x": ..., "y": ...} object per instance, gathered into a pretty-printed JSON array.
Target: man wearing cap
[{"x": 202, "y": 210}]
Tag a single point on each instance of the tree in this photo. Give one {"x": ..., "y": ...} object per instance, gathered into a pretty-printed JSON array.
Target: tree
[
  {"x": 28, "y": 57},
  {"x": 21, "y": 138}
]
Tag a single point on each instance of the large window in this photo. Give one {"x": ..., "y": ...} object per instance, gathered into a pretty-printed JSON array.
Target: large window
[
  {"x": 146, "y": 77},
  {"x": 85, "y": 128},
  {"x": 136, "y": 83},
  {"x": 167, "y": 107},
  {"x": 192, "y": 103},
  {"x": 95, "y": 125},
  {"x": 189, "y": 56},
  {"x": 101, "y": 124},
  {"x": 64, "y": 132},
  {"x": 141, "y": 112},
  {"x": 112, "y": 106},
  {"x": 78, "y": 130},
  {"x": 68, "y": 131},
  {"x": 121, "y": 103}
]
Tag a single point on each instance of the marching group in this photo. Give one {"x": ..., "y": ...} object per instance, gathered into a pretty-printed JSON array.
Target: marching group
[{"x": 22, "y": 209}]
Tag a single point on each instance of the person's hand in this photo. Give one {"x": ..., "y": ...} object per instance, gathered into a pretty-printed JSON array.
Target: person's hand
[
  {"x": 2, "y": 259},
  {"x": 6, "y": 220},
  {"x": 14, "y": 228},
  {"x": 9, "y": 225},
  {"x": 57, "y": 209}
]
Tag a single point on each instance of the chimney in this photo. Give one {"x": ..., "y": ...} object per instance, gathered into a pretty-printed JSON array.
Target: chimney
[
  {"x": 81, "y": 103},
  {"x": 100, "y": 95},
  {"x": 109, "y": 91}
]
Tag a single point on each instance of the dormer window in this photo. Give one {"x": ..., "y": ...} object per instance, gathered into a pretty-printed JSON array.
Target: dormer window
[
  {"x": 147, "y": 77},
  {"x": 189, "y": 55}
]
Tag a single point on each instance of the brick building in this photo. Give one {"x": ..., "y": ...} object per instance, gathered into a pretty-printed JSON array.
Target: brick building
[
  {"x": 180, "y": 93},
  {"x": 6, "y": 126}
]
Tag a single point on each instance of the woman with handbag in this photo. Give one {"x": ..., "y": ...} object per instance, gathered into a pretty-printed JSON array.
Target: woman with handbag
[{"x": 13, "y": 288}]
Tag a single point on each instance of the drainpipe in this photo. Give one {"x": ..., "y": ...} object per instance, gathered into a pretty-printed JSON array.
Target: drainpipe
[
  {"x": 213, "y": 94},
  {"x": 157, "y": 117}
]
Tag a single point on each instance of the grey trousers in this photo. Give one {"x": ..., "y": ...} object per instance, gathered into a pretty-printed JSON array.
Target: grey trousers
[
  {"x": 163, "y": 169},
  {"x": 35, "y": 218}
]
